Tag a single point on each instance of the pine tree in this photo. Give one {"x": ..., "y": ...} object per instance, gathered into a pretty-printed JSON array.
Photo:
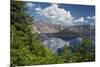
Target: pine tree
[{"x": 26, "y": 48}]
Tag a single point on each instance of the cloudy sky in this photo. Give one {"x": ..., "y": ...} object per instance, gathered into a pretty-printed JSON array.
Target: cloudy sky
[{"x": 64, "y": 14}]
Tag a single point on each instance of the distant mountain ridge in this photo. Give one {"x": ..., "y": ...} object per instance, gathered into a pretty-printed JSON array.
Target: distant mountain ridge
[
  {"x": 44, "y": 27},
  {"x": 50, "y": 30}
]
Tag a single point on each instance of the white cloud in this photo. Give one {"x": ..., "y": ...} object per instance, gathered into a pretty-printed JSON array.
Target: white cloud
[
  {"x": 30, "y": 4},
  {"x": 55, "y": 14},
  {"x": 81, "y": 19},
  {"x": 89, "y": 17},
  {"x": 38, "y": 9}
]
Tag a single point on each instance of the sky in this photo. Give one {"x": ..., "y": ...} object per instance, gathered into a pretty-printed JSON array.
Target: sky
[{"x": 64, "y": 14}]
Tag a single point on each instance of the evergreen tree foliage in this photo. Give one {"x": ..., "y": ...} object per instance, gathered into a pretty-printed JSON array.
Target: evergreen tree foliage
[{"x": 26, "y": 48}]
